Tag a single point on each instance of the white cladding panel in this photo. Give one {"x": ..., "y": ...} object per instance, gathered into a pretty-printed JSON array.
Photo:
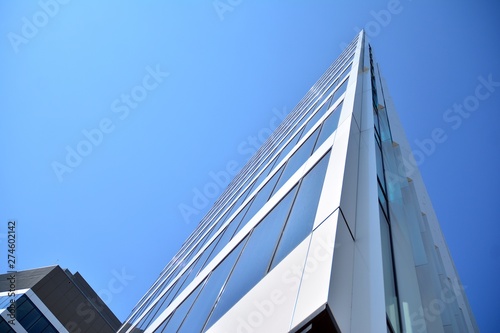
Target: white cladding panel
[{"x": 315, "y": 282}]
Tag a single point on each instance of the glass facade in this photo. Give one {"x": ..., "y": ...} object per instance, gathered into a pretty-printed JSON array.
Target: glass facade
[
  {"x": 295, "y": 185},
  {"x": 284, "y": 154},
  {"x": 382, "y": 135}
]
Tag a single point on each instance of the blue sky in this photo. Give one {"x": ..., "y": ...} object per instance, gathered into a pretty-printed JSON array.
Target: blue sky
[{"x": 204, "y": 82}]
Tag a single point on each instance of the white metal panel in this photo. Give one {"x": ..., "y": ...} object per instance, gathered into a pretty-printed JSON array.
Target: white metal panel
[
  {"x": 315, "y": 281},
  {"x": 368, "y": 302},
  {"x": 334, "y": 177},
  {"x": 340, "y": 293},
  {"x": 348, "y": 200}
]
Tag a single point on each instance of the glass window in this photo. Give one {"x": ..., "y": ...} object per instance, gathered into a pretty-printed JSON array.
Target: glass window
[
  {"x": 25, "y": 312},
  {"x": 380, "y": 166},
  {"x": 40, "y": 325},
  {"x": 381, "y": 198},
  {"x": 298, "y": 158},
  {"x": 206, "y": 254},
  {"x": 384, "y": 126},
  {"x": 345, "y": 72},
  {"x": 4, "y": 327},
  {"x": 329, "y": 126},
  {"x": 301, "y": 219},
  {"x": 265, "y": 173},
  {"x": 175, "y": 290},
  {"x": 316, "y": 117},
  {"x": 198, "y": 314},
  {"x": 233, "y": 226},
  {"x": 164, "y": 301},
  {"x": 219, "y": 224},
  {"x": 164, "y": 284},
  {"x": 376, "y": 121},
  {"x": 262, "y": 197},
  {"x": 193, "y": 252},
  {"x": 289, "y": 147},
  {"x": 230, "y": 230},
  {"x": 21, "y": 309},
  {"x": 238, "y": 203},
  {"x": 158, "y": 330},
  {"x": 254, "y": 261},
  {"x": 339, "y": 91},
  {"x": 50, "y": 329},
  {"x": 176, "y": 318},
  {"x": 391, "y": 299},
  {"x": 304, "y": 115},
  {"x": 30, "y": 317}
]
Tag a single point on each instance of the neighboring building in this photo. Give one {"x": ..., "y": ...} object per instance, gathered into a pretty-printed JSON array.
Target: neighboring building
[
  {"x": 328, "y": 228},
  {"x": 50, "y": 300}
]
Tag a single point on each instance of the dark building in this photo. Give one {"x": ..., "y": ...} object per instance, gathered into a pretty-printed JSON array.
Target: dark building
[{"x": 52, "y": 299}]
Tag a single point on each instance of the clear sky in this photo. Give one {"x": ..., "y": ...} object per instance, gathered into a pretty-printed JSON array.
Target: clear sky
[{"x": 157, "y": 97}]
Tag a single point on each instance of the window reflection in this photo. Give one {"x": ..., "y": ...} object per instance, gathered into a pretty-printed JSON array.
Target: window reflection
[
  {"x": 30, "y": 317},
  {"x": 254, "y": 260},
  {"x": 198, "y": 314},
  {"x": 316, "y": 117},
  {"x": 167, "y": 298},
  {"x": 262, "y": 196},
  {"x": 391, "y": 299},
  {"x": 176, "y": 318},
  {"x": 301, "y": 219},
  {"x": 329, "y": 126},
  {"x": 298, "y": 158}
]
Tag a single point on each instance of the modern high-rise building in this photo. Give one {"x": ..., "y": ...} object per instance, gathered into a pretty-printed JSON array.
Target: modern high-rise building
[
  {"x": 52, "y": 300},
  {"x": 328, "y": 228}
]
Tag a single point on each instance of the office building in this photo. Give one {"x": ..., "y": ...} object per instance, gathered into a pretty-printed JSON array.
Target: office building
[
  {"x": 328, "y": 228},
  {"x": 52, "y": 300}
]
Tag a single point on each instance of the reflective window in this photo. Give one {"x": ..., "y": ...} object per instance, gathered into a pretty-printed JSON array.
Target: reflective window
[
  {"x": 265, "y": 173},
  {"x": 176, "y": 318},
  {"x": 316, "y": 117},
  {"x": 329, "y": 126},
  {"x": 30, "y": 317},
  {"x": 235, "y": 223},
  {"x": 238, "y": 203},
  {"x": 384, "y": 126},
  {"x": 262, "y": 197},
  {"x": 198, "y": 314},
  {"x": 254, "y": 261},
  {"x": 391, "y": 300},
  {"x": 301, "y": 219},
  {"x": 166, "y": 299},
  {"x": 345, "y": 73},
  {"x": 288, "y": 147},
  {"x": 207, "y": 254},
  {"x": 382, "y": 199},
  {"x": 158, "y": 330},
  {"x": 376, "y": 121},
  {"x": 339, "y": 92},
  {"x": 307, "y": 114},
  {"x": 298, "y": 158},
  {"x": 230, "y": 231},
  {"x": 5, "y": 327},
  {"x": 380, "y": 166},
  {"x": 42, "y": 325}
]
